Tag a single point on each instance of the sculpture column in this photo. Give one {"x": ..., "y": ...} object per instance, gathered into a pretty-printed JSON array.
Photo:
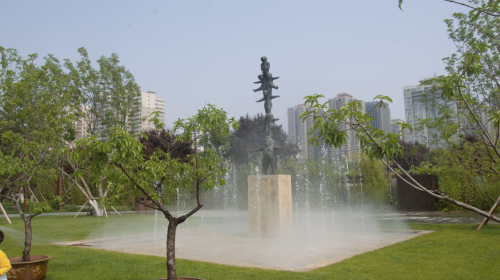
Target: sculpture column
[
  {"x": 269, "y": 196},
  {"x": 269, "y": 205}
]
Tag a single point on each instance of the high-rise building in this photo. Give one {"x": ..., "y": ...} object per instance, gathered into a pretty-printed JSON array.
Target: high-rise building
[
  {"x": 147, "y": 103},
  {"x": 420, "y": 103},
  {"x": 81, "y": 124},
  {"x": 473, "y": 128},
  {"x": 397, "y": 128},
  {"x": 352, "y": 147},
  {"x": 423, "y": 102},
  {"x": 488, "y": 124},
  {"x": 382, "y": 115},
  {"x": 298, "y": 132}
]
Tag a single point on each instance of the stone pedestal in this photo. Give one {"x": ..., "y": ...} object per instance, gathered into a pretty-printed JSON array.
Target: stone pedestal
[{"x": 269, "y": 205}]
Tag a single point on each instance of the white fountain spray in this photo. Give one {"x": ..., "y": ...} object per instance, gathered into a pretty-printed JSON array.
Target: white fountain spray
[{"x": 362, "y": 218}]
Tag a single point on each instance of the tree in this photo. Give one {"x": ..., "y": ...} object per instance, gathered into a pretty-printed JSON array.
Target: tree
[
  {"x": 456, "y": 169},
  {"x": 373, "y": 141},
  {"x": 413, "y": 155},
  {"x": 376, "y": 182},
  {"x": 473, "y": 83},
  {"x": 96, "y": 190},
  {"x": 122, "y": 96},
  {"x": 122, "y": 159},
  {"x": 488, "y": 8},
  {"x": 36, "y": 122},
  {"x": 167, "y": 142},
  {"x": 106, "y": 97},
  {"x": 248, "y": 138}
]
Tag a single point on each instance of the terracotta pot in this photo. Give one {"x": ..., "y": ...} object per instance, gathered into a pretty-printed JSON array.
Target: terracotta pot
[{"x": 36, "y": 269}]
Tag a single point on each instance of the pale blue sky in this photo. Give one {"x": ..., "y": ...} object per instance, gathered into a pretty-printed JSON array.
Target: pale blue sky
[{"x": 192, "y": 52}]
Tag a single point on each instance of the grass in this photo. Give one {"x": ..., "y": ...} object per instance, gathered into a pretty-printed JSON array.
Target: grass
[
  {"x": 452, "y": 252},
  {"x": 11, "y": 209}
]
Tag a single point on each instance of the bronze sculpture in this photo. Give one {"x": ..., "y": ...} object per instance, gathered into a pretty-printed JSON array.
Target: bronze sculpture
[
  {"x": 268, "y": 122},
  {"x": 268, "y": 104},
  {"x": 265, "y": 65},
  {"x": 269, "y": 157}
]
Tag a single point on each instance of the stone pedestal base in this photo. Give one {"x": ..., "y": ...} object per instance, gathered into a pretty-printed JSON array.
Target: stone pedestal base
[{"x": 269, "y": 205}]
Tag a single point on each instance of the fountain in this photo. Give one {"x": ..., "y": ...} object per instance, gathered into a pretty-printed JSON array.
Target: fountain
[
  {"x": 269, "y": 196},
  {"x": 326, "y": 226}
]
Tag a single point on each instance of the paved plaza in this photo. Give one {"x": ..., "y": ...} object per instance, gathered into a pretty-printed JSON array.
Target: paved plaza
[
  {"x": 317, "y": 240},
  {"x": 459, "y": 217},
  {"x": 434, "y": 217}
]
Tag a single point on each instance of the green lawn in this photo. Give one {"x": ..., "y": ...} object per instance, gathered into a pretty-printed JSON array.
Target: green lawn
[
  {"x": 452, "y": 252},
  {"x": 11, "y": 209}
]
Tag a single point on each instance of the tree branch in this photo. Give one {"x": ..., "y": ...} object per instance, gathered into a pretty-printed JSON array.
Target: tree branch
[
  {"x": 16, "y": 203},
  {"x": 148, "y": 205},
  {"x": 184, "y": 217},
  {"x": 473, "y": 8},
  {"x": 485, "y": 131},
  {"x": 76, "y": 183},
  {"x": 165, "y": 211},
  {"x": 435, "y": 193}
]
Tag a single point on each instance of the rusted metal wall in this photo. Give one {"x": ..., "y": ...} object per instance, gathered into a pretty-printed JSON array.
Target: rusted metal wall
[
  {"x": 140, "y": 207},
  {"x": 410, "y": 199}
]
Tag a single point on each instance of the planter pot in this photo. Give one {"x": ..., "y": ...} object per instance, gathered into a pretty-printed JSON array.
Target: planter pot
[
  {"x": 179, "y": 278},
  {"x": 36, "y": 269}
]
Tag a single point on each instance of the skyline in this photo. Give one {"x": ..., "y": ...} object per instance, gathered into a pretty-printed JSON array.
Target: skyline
[{"x": 198, "y": 52}]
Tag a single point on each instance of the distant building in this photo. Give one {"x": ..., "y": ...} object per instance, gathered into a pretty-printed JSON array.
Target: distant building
[
  {"x": 382, "y": 115},
  {"x": 396, "y": 127},
  {"x": 489, "y": 125},
  {"x": 473, "y": 128},
  {"x": 81, "y": 125},
  {"x": 148, "y": 104},
  {"x": 352, "y": 146},
  {"x": 419, "y": 104},
  {"x": 298, "y": 132}
]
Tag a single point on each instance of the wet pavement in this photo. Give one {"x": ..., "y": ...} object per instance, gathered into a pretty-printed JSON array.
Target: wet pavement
[
  {"x": 317, "y": 239},
  {"x": 433, "y": 217},
  {"x": 322, "y": 239},
  {"x": 458, "y": 217}
]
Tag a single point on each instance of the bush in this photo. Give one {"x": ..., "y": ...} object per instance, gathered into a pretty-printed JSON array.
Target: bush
[{"x": 458, "y": 177}]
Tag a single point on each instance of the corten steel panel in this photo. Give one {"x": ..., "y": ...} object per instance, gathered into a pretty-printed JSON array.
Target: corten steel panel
[
  {"x": 410, "y": 199},
  {"x": 140, "y": 207}
]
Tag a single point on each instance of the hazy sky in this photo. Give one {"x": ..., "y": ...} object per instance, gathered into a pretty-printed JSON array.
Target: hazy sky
[{"x": 197, "y": 52}]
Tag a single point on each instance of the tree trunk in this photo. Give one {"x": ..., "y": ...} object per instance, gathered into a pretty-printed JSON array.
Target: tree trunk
[
  {"x": 25, "y": 199},
  {"x": 129, "y": 198},
  {"x": 27, "y": 241},
  {"x": 172, "y": 227},
  {"x": 95, "y": 206},
  {"x": 58, "y": 189}
]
